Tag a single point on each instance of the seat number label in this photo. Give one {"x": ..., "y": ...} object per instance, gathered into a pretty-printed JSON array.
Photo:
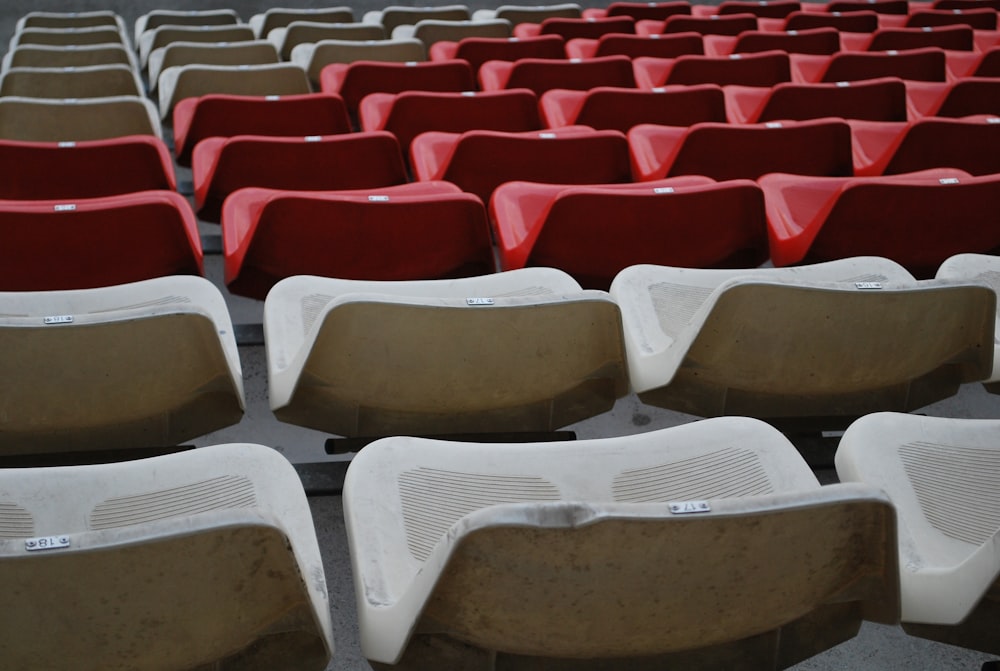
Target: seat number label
[
  {"x": 689, "y": 507},
  {"x": 46, "y": 543}
]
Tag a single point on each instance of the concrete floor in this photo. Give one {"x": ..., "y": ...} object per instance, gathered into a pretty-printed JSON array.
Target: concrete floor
[{"x": 877, "y": 647}]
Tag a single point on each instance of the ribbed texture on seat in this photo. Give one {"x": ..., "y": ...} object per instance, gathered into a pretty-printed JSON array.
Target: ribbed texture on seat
[
  {"x": 163, "y": 300},
  {"x": 227, "y": 491},
  {"x": 433, "y": 500},
  {"x": 675, "y": 304},
  {"x": 956, "y": 488},
  {"x": 312, "y": 305},
  {"x": 867, "y": 277},
  {"x": 526, "y": 291},
  {"x": 15, "y": 521},
  {"x": 727, "y": 473}
]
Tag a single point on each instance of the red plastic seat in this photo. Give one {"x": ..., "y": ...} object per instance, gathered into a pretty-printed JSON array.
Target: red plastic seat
[
  {"x": 870, "y": 99},
  {"x": 320, "y": 163},
  {"x": 916, "y": 65},
  {"x": 965, "y": 4},
  {"x": 764, "y": 69},
  {"x": 813, "y": 41},
  {"x": 540, "y": 75},
  {"x": 845, "y": 22},
  {"x": 899, "y": 7},
  {"x": 223, "y": 115},
  {"x": 917, "y": 219},
  {"x": 633, "y": 46},
  {"x": 96, "y": 242},
  {"x": 621, "y": 109},
  {"x": 594, "y": 232},
  {"x": 569, "y": 29},
  {"x": 977, "y": 64},
  {"x": 965, "y": 97},
  {"x": 956, "y": 38},
  {"x": 733, "y": 24},
  {"x": 353, "y": 81},
  {"x": 91, "y": 169},
  {"x": 729, "y": 151},
  {"x": 980, "y": 19},
  {"x": 478, "y": 50},
  {"x": 411, "y": 113},
  {"x": 764, "y": 9},
  {"x": 641, "y": 11},
  {"x": 426, "y": 230},
  {"x": 480, "y": 161},
  {"x": 971, "y": 144}
]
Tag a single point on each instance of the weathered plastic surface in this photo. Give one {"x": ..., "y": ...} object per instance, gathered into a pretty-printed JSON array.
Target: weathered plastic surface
[
  {"x": 942, "y": 476},
  {"x": 91, "y": 81},
  {"x": 39, "y": 19},
  {"x": 296, "y": 33},
  {"x": 430, "y": 31},
  {"x": 251, "y": 52},
  {"x": 400, "y": 15},
  {"x": 90, "y": 35},
  {"x": 479, "y": 556},
  {"x": 173, "y": 17},
  {"x": 281, "y": 17},
  {"x": 153, "y": 39},
  {"x": 313, "y": 57},
  {"x": 191, "y": 81},
  {"x": 214, "y": 547},
  {"x": 530, "y": 14},
  {"x": 536, "y": 352},
  {"x": 45, "y": 56},
  {"x": 147, "y": 364},
  {"x": 983, "y": 268},
  {"x": 39, "y": 120},
  {"x": 810, "y": 344}
]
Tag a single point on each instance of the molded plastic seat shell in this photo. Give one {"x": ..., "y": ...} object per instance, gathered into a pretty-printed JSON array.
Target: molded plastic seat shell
[
  {"x": 971, "y": 144},
  {"x": 353, "y": 81},
  {"x": 479, "y": 50},
  {"x": 766, "y": 68},
  {"x": 633, "y": 46},
  {"x": 965, "y": 97},
  {"x": 192, "y": 81},
  {"x": 298, "y": 33},
  {"x": 163, "y": 35},
  {"x": 543, "y": 74},
  {"x": 610, "y": 108},
  {"x": 43, "y": 56},
  {"x": 926, "y": 64},
  {"x": 92, "y": 81},
  {"x": 399, "y": 15},
  {"x": 251, "y": 52},
  {"x": 985, "y": 269},
  {"x": 870, "y": 99},
  {"x": 313, "y": 58},
  {"x": 280, "y": 17},
  {"x": 41, "y": 120}
]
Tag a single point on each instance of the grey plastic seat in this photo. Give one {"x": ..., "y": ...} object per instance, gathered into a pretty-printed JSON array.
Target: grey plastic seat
[
  {"x": 694, "y": 547},
  {"x": 526, "y": 350},
  {"x": 280, "y": 17},
  {"x": 92, "y": 81},
  {"x": 941, "y": 475},
  {"x": 820, "y": 344},
  {"x": 400, "y": 15},
  {"x": 983, "y": 268},
  {"x": 187, "y": 81},
  {"x": 44, "y": 56},
  {"x": 89, "y": 19},
  {"x": 173, "y": 17},
  {"x": 53, "y": 120},
  {"x": 69, "y": 36},
  {"x": 213, "y": 547},
  {"x": 286, "y": 38},
  {"x": 530, "y": 13},
  {"x": 145, "y": 364},
  {"x": 314, "y": 57},
  {"x": 256, "y": 52},
  {"x": 430, "y": 31},
  {"x": 153, "y": 39}
]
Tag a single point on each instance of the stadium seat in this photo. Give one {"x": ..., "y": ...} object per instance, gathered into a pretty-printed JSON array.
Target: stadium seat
[
  {"x": 431, "y": 31},
  {"x": 764, "y": 9},
  {"x": 214, "y": 547},
  {"x": 806, "y": 347},
  {"x": 478, "y": 50},
  {"x": 609, "y": 108},
  {"x": 334, "y": 347},
  {"x": 971, "y": 144},
  {"x": 221, "y": 165},
  {"x": 353, "y": 81},
  {"x": 727, "y": 151},
  {"x": 965, "y": 97},
  {"x": 82, "y": 243},
  {"x": 976, "y": 64},
  {"x": 766, "y": 69},
  {"x": 926, "y": 64},
  {"x": 985, "y": 269},
  {"x": 280, "y": 17},
  {"x": 846, "y": 22},
  {"x": 250, "y": 52},
  {"x": 570, "y": 29},
  {"x": 297, "y": 33},
  {"x": 965, "y": 4},
  {"x": 62, "y": 20},
  {"x": 43, "y": 56},
  {"x": 870, "y": 99},
  {"x": 891, "y": 7},
  {"x": 314, "y": 57},
  {"x": 40, "y": 120},
  {"x": 398, "y": 15},
  {"x": 480, "y": 161},
  {"x": 530, "y": 13},
  {"x": 612, "y": 553},
  {"x": 955, "y": 38},
  {"x": 422, "y": 231},
  {"x": 66, "y": 37},
  {"x": 542, "y": 74},
  {"x": 938, "y": 473},
  {"x": 135, "y": 365},
  {"x": 174, "y": 17},
  {"x": 916, "y": 219},
  {"x": 812, "y": 41},
  {"x": 225, "y": 115},
  {"x": 193, "y": 81},
  {"x": 153, "y": 39},
  {"x": 595, "y": 232},
  {"x": 91, "y": 169},
  {"x": 641, "y": 11},
  {"x": 93, "y": 81},
  {"x": 980, "y": 19},
  {"x": 633, "y": 46},
  {"x": 703, "y": 25},
  {"x": 406, "y": 115}
]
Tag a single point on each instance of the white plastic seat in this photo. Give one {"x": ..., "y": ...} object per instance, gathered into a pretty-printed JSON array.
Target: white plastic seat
[
  {"x": 287, "y": 38},
  {"x": 943, "y": 477},
  {"x": 982, "y": 268},
  {"x": 153, "y": 39},
  {"x": 401, "y": 15},
  {"x": 693, "y": 547},
  {"x": 53, "y": 120},
  {"x": 174, "y": 17},
  {"x": 430, "y": 31},
  {"x": 530, "y": 13},
  {"x": 191, "y": 81},
  {"x": 254, "y": 52},
  {"x": 205, "y": 559},
  {"x": 146, "y": 364},
  {"x": 89, "y": 35},
  {"x": 810, "y": 344},
  {"x": 94, "y": 18},
  {"x": 45, "y": 56},
  {"x": 279, "y": 17},
  {"x": 526, "y": 350},
  {"x": 314, "y": 57},
  {"x": 92, "y": 81}
]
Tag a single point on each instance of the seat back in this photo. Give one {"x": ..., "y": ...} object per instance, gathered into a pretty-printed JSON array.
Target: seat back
[
  {"x": 649, "y": 11},
  {"x": 255, "y": 52},
  {"x": 65, "y": 37},
  {"x": 314, "y": 57},
  {"x": 64, "y": 20},
  {"x": 36, "y": 120},
  {"x": 956, "y": 38},
  {"x": 172, "y": 17},
  {"x": 193, "y": 81},
  {"x": 156, "y": 38},
  {"x": 660, "y": 46},
  {"x": 281, "y": 17},
  {"x": 975, "y": 95},
  {"x": 971, "y": 145},
  {"x": 528, "y": 14},
  {"x": 710, "y": 25},
  {"x": 773, "y": 9},
  {"x": 43, "y": 56},
  {"x": 898, "y": 7},
  {"x": 847, "y": 22},
  {"x": 478, "y": 50},
  {"x": 430, "y": 31},
  {"x": 872, "y": 100},
  {"x": 311, "y": 32},
  {"x": 570, "y": 29},
  {"x": 811, "y": 41},
  {"x": 915, "y": 64},
  {"x": 95, "y": 81},
  {"x": 767, "y": 68},
  {"x": 980, "y": 19},
  {"x": 540, "y": 75},
  {"x": 621, "y": 109},
  {"x": 395, "y": 15},
  {"x": 363, "y": 77}
]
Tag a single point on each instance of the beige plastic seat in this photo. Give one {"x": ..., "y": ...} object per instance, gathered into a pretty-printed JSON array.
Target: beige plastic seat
[
  {"x": 314, "y": 57},
  {"x": 807, "y": 345},
  {"x": 941, "y": 475},
  {"x": 985, "y": 269},
  {"x": 71, "y": 20},
  {"x": 153, "y": 39},
  {"x": 187, "y": 81},
  {"x": 144, "y": 364},
  {"x": 286, "y": 38},
  {"x": 430, "y": 31},
  {"x": 173, "y": 17},
  {"x": 205, "y": 559},
  {"x": 51, "y": 120},
  {"x": 92, "y": 81},
  {"x": 63, "y": 37},
  {"x": 280, "y": 17},
  {"x": 530, "y": 13},
  {"x": 400, "y": 15},
  {"x": 526, "y": 350},
  {"x": 43, "y": 56},
  {"x": 694, "y": 547},
  {"x": 255, "y": 52}
]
